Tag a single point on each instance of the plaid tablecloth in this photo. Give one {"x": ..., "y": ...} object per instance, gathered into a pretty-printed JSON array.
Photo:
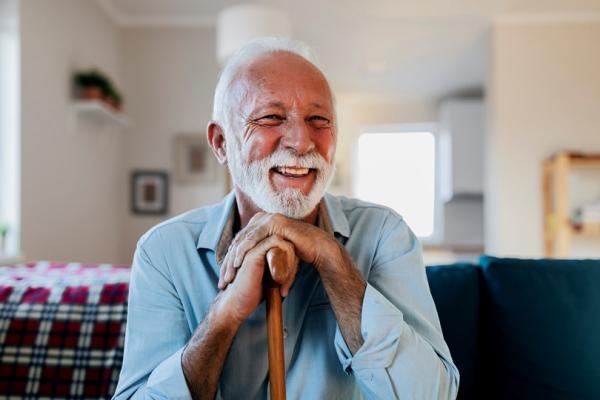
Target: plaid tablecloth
[{"x": 62, "y": 328}]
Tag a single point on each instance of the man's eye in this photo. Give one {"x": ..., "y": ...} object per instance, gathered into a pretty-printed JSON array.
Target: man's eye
[
  {"x": 319, "y": 120},
  {"x": 272, "y": 117}
]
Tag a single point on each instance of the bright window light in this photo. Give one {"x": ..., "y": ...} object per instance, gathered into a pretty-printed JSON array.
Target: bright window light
[
  {"x": 398, "y": 171},
  {"x": 9, "y": 130}
]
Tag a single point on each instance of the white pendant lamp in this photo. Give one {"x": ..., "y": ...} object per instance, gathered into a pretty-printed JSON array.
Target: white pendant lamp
[{"x": 237, "y": 25}]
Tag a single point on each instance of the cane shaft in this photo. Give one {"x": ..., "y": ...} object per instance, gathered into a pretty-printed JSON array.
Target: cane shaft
[{"x": 275, "y": 328}]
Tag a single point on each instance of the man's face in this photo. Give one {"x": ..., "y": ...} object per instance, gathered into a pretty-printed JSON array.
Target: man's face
[{"x": 283, "y": 134}]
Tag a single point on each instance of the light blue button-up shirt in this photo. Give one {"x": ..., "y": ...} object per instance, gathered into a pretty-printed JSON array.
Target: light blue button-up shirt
[{"x": 174, "y": 281}]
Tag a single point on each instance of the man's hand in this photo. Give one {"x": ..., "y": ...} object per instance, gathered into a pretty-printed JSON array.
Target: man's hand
[
  {"x": 311, "y": 244},
  {"x": 203, "y": 358},
  {"x": 243, "y": 295},
  {"x": 343, "y": 283}
]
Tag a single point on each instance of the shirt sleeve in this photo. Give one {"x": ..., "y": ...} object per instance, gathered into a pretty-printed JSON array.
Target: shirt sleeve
[
  {"x": 404, "y": 354},
  {"x": 156, "y": 334}
]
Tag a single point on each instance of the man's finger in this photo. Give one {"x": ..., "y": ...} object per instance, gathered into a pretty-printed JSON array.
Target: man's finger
[
  {"x": 220, "y": 285},
  {"x": 224, "y": 265},
  {"x": 229, "y": 272},
  {"x": 256, "y": 240},
  {"x": 287, "y": 285},
  {"x": 229, "y": 275},
  {"x": 249, "y": 241},
  {"x": 264, "y": 226},
  {"x": 231, "y": 250},
  {"x": 259, "y": 251},
  {"x": 293, "y": 263}
]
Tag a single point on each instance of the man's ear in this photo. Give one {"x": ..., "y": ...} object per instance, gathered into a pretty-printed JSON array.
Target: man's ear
[{"x": 216, "y": 140}]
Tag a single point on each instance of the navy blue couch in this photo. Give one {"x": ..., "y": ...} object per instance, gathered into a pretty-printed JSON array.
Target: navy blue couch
[{"x": 522, "y": 329}]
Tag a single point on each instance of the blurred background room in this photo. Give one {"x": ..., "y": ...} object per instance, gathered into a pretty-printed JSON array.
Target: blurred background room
[{"x": 478, "y": 121}]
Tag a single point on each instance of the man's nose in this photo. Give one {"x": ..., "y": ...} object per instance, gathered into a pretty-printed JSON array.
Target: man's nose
[{"x": 298, "y": 138}]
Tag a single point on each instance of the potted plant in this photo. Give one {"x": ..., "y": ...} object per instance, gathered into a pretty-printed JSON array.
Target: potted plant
[
  {"x": 113, "y": 98},
  {"x": 94, "y": 85},
  {"x": 91, "y": 85}
]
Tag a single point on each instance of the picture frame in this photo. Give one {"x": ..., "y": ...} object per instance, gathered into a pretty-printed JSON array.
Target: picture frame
[
  {"x": 149, "y": 192},
  {"x": 194, "y": 160}
]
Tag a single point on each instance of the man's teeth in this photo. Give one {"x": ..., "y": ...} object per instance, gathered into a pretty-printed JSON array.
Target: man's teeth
[{"x": 293, "y": 170}]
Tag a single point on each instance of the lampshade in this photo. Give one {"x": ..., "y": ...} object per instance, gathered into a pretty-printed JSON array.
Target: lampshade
[{"x": 237, "y": 25}]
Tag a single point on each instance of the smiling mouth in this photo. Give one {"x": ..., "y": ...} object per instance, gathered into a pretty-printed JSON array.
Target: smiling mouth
[{"x": 293, "y": 172}]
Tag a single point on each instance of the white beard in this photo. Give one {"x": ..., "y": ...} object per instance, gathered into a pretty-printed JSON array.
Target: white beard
[{"x": 253, "y": 179}]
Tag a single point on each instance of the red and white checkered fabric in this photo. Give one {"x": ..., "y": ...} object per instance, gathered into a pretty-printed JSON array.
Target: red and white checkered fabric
[{"x": 62, "y": 328}]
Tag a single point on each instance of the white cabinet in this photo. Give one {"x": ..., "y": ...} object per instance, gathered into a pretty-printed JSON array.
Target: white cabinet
[{"x": 462, "y": 128}]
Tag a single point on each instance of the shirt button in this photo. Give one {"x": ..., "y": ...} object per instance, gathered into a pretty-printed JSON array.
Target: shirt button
[{"x": 284, "y": 332}]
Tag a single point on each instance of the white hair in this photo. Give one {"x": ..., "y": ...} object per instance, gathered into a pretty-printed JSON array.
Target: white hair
[{"x": 248, "y": 53}]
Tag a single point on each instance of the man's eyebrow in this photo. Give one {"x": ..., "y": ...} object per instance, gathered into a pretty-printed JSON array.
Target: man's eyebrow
[
  {"x": 316, "y": 105},
  {"x": 275, "y": 103},
  {"x": 263, "y": 107},
  {"x": 281, "y": 106}
]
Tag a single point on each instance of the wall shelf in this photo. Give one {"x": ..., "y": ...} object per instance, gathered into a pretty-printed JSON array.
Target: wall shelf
[
  {"x": 559, "y": 229},
  {"x": 587, "y": 229},
  {"x": 98, "y": 110}
]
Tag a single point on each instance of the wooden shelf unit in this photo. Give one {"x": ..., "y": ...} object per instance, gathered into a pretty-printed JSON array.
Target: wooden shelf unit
[{"x": 559, "y": 230}]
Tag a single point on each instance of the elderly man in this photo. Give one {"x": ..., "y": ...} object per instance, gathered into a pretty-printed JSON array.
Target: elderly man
[{"x": 359, "y": 320}]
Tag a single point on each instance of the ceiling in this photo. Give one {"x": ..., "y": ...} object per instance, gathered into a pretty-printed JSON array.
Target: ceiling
[{"x": 429, "y": 48}]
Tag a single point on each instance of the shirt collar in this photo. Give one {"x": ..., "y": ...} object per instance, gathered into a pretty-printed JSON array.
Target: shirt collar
[
  {"x": 218, "y": 218},
  {"x": 218, "y": 230},
  {"x": 335, "y": 213}
]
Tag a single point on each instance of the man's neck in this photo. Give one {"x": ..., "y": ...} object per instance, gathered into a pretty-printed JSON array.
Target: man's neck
[{"x": 247, "y": 209}]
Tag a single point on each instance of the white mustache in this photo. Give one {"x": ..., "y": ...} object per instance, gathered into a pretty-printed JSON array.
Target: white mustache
[{"x": 282, "y": 158}]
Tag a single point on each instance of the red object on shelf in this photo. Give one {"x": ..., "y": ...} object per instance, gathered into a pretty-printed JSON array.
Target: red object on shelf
[{"x": 92, "y": 93}]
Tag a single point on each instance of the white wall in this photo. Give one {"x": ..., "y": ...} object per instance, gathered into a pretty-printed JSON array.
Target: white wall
[
  {"x": 170, "y": 75},
  {"x": 544, "y": 96},
  {"x": 73, "y": 186}
]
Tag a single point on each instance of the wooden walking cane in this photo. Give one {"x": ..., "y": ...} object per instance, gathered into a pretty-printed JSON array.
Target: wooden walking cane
[{"x": 277, "y": 260}]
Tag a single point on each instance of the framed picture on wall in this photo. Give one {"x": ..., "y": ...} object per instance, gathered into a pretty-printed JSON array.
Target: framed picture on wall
[
  {"x": 149, "y": 192},
  {"x": 194, "y": 160}
]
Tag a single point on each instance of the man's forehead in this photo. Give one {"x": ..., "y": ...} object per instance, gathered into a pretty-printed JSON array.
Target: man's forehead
[
  {"x": 282, "y": 62},
  {"x": 280, "y": 80},
  {"x": 282, "y": 69}
]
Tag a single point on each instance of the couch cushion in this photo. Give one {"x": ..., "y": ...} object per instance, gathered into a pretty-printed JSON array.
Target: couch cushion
[
  {"x": 455, "y": 291},
  {"x": 542, "y": 324},
  {"x": 61, "y": 330}
]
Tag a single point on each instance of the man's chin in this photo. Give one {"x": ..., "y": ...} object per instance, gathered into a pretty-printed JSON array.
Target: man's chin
[{"x": 290, "y": 202}]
